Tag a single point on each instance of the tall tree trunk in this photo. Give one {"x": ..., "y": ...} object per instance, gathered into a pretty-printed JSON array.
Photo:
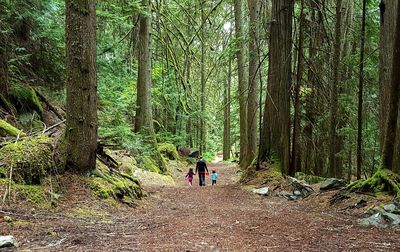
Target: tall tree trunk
[
  {"x": 295, "y": 162},
  {"x": 203, "y": 83},
  {"x": 388, "y": 27},
  {"x": 252, "y": 101},
  {"x": 227, "y": 114},
  {"x": 144, "y": 117},
  {"x": 81, "y": 79},
  {"x": 242, "y": 83},
  {"x": 391, "y": 127},
  {"x": 333, "y": 134},
  {"x": 360, "y": 92},
  {"x": 275, "y": 142}
]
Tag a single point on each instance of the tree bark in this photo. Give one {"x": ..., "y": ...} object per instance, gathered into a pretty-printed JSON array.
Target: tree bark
[
  {"x": 333, "y": 134},
  {"x": 242, "y": 83},
  {"x": 252, "y": 101},
  {"x": 388, "y": 27},
  {"x": 360, "y": 92},
  {"x": 295, "y": 164},
  {"x": 392, "y": 117},
  {"x": 203, "y": 83},
  {"x": 275, "y": 142},
  {"x": 144, "y": 117},
  {"x": 81, "y": 79},
  {"x": 227, "y": 114}
]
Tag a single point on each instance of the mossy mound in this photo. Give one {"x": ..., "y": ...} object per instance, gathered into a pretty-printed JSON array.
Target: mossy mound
[
  {"x": 383, "y": 181},
  {"x": 149, "y": 164},
  {"x": 112, "y": 184},
  {"x": 25, "y": 99},
  {"x": 311, "y": 179},
  {"x": 31, "y": 159},
  {"x": 37, "y": 196},
  {"x": 168, "y": 150},
  {"x": 268, "y": 174},
  {"x": 7, "y": 129}
]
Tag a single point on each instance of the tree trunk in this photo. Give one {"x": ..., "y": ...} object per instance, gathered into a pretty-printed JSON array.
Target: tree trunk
[
  {"x": 242, "y": 84},
  {"x": 252, "y": 101},
  {"x": 333, "y": 134},
  {"x": 295, "y": 164},
  {"x": 388, "y": 27},
  {"x": 81, "y": 79},
  {"x": 391, "y": 127},
  {"x": 203, "y": 83},
  {"x": 275, "y": 142},
  {"x": 360, "y": 92},
  {"x": 227, "y": 114}
]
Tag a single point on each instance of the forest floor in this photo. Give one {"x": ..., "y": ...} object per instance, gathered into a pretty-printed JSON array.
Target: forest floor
[{"x": 224, "y": 217}]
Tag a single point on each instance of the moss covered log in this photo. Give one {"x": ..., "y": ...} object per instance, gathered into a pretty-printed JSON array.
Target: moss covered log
[
  {"x": 31, "y": 159},
  {"x": 383, "y": 181},
  {"x": 112, "y": 184},
  {"x": 7, "y": 129}
]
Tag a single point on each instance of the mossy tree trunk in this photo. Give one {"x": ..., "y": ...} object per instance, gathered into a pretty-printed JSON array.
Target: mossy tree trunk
[
  {"x": 242, "y": 83},
  {"x": 144, "y": 113},
  {"x": 227, "y": 114},
  {"x": 81, "y": 79},
  {"x": 252, "y": 100}
]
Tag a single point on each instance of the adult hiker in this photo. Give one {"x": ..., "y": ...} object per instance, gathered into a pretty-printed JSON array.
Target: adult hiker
[{"x": 201, "y": 169}]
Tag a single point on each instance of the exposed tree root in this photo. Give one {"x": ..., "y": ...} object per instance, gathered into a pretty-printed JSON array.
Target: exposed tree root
[{"x": 383, "y": 180}]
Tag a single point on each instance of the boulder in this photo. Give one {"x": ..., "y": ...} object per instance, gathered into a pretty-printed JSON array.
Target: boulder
[
  {"x": 261, "y": 191},
  {"x": 332, "y": 183},
  {"x": 375, "y": 220},
  {"x": 390, "y": 208},
  {"x": 299, "y": 186},
  {"x": 7, "y": 241}
]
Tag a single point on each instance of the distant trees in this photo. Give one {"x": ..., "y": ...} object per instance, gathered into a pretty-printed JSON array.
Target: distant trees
[{"x": 81, "y": 84}]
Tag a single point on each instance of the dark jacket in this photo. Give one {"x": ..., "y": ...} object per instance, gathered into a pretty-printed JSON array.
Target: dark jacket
[{"x": 201, "y": 166}]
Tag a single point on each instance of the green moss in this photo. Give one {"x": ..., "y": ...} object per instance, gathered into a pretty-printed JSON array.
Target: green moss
[
  {"x": 31, "y": 159},
  {"x": 106, "y": 184},
  {"x": 25, "y": 99},
  {"x": 36, "y": 195},
  {"x": 7, "y": 129},
  {"x": 168, "y": 150},
  {"x": 311, "y": 179},
  {"x": 383, "y": 180},
  {"x": 8, "y": 219},
  {"x": 149, "y": 165}
]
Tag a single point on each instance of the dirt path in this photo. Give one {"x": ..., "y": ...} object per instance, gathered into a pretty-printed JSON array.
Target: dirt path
[{"x": 212, "y": 218}]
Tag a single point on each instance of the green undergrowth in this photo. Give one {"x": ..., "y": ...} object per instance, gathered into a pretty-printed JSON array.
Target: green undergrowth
[
  {"x": 25, "y": 99},
  {"x": 7, "y": 129},
  {"x": 30, "y": 159},
  {"x": 112, "y": 184},
  {"x": 383, "y": 181}
]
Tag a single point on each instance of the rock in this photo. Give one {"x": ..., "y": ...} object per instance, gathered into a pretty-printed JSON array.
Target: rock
[
  {"x": 390, "y": 208},
  {"x": 375, "y": 220},
  {"x": 297, "y": 193},
  {"x": 294, "y": 197},
  {"x": 392, "y": 219},
  {"x": 7, "y": 241},
  {"x": 332, "y": 183},
  {"x": 261, "y": 191},
  {"x": 303, "y": 188}
]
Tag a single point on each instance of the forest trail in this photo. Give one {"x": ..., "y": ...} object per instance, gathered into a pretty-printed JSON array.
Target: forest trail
[{"x": 212, "y": 218}]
